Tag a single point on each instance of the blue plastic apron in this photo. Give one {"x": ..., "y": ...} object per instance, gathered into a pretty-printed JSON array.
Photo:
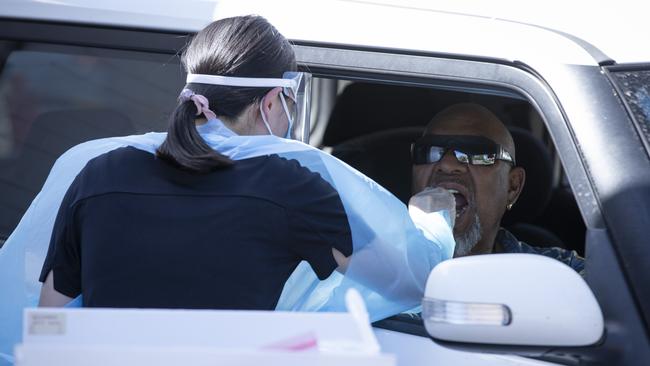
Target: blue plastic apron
[{"x": 389, "y": 266}]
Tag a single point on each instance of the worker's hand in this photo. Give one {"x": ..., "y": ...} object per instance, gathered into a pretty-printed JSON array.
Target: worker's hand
[{"x": 435, "y": 199}]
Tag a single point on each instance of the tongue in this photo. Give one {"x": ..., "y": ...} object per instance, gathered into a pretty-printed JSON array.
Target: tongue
[{"x": 460, "y": 201}]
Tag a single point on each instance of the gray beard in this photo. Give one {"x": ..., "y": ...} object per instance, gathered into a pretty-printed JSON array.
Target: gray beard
[{"x": 466, "y": 241}]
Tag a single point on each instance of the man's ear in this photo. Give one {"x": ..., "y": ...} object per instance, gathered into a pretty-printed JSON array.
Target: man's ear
[{"x": 516, "y": 180}]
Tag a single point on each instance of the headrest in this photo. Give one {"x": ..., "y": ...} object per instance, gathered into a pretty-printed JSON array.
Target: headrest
[
  {"x": 56, "y": 131},
  {"x": 364, "y": 108},
  {"x": 50, "y": 135},
  {"x": 384, "y": 156}
]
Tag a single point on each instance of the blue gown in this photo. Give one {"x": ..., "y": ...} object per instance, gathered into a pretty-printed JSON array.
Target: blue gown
[{"x": 390, "y": 264}]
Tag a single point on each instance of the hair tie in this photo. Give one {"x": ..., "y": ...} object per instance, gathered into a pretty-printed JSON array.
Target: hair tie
[{"x": 201, "y": 103}]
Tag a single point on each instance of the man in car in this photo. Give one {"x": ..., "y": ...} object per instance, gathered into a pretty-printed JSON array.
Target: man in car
[{"x": 467, "y": 150}]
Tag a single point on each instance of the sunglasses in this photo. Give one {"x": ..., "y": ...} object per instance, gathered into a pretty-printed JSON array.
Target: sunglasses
[{"x": 474, "y": 150}]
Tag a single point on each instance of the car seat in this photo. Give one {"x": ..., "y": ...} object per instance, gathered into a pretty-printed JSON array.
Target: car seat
[{"x": 384, "y": 156}]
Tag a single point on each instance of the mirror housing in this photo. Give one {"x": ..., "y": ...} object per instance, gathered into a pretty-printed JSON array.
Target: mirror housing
[{"x": 510, "y": 299}]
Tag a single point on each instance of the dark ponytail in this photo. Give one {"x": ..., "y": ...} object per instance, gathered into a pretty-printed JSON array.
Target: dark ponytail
[
  {"x": 247, "y": 46},
  {"x": 185, "y": 148}
]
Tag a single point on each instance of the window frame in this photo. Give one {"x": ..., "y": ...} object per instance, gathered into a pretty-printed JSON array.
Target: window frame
[{"x": 464, "y": 75}]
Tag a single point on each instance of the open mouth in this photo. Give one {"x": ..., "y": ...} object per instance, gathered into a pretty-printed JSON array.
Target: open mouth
[{"x": 461, "y": 201}]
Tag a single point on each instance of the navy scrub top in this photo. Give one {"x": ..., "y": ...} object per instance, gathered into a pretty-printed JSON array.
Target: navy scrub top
[{"x": 134, "y": 231}]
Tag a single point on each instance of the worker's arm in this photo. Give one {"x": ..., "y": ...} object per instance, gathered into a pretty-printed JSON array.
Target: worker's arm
[{"x": 51, "y": 297}]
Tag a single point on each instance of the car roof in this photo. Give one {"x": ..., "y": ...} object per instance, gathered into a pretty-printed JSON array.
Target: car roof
[{"x": 567, "y": 32}]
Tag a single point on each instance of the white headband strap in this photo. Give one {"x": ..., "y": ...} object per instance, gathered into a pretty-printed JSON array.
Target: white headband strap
[{"x": 237, "y": 81}]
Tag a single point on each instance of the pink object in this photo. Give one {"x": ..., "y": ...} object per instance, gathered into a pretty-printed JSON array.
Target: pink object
[
  {"x": 201, "y": 103},
  {"x": 298, "y": 343}
]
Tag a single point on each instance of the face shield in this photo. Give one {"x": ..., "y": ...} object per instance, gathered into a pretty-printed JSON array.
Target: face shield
[{"x": 296, "y": 87}]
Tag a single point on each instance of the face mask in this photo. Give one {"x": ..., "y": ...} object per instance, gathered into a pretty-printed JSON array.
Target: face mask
[{"x": 289, "y": 116}]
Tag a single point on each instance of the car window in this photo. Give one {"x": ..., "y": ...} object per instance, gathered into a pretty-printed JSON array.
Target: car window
[
  {"x": 372, "y": 126},
  {"x": 55, "y": 97}
]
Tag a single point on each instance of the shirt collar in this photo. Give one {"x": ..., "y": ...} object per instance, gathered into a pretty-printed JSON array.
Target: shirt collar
[{"x": 505, "y": 242}]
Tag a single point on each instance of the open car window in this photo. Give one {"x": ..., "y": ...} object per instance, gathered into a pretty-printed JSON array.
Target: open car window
[{"x": 371, "y": 126}]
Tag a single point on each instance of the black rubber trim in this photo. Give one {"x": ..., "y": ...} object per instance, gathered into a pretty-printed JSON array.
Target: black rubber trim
[
  {"x": 414, "y": 81},
  {"x": 403, "y": 323},
  {"x": 93, "y": 36},
  {"x": 399, "y": 51},
  {"x": 629, "y": 67}
]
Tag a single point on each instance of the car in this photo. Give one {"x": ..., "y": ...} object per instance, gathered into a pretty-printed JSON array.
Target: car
[{"x": 572, "y": 85}]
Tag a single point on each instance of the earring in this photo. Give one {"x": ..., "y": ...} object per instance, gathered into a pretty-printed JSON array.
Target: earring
[{"x": 509, "y": 207}]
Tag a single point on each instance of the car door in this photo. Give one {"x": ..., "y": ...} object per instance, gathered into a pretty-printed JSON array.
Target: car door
[{"x": 581, "y": 112}]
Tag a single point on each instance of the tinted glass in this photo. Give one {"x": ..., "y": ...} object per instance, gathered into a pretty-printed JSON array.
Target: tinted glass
[
  {"x": 52, "y": 98},
  {"x": 635, "y": 88}
]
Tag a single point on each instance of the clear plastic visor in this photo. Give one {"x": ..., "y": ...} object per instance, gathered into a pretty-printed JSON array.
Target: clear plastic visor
[{"x": 296, "y": 86}]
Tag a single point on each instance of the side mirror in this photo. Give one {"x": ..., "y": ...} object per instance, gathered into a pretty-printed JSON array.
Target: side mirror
[{"x": 510, "y": 299}]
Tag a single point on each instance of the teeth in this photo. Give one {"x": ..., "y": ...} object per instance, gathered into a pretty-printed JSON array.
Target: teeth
[{"x": 452, "y": 191}]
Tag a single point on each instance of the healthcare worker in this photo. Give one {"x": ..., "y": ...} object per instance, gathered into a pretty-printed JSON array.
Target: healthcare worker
[
  {"x": 189, "y": 227},
  {"x": 226, "y": 209}
]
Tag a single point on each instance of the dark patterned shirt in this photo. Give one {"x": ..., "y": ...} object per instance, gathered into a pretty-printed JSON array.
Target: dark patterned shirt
[{"x": 507, "y": 243}]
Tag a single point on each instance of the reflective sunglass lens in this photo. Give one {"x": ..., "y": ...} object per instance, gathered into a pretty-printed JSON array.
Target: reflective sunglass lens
[
  {"x": 483, "y": 159},
  {"x": 461, "y": 156},
  {"x": 435, "y": 154}
]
